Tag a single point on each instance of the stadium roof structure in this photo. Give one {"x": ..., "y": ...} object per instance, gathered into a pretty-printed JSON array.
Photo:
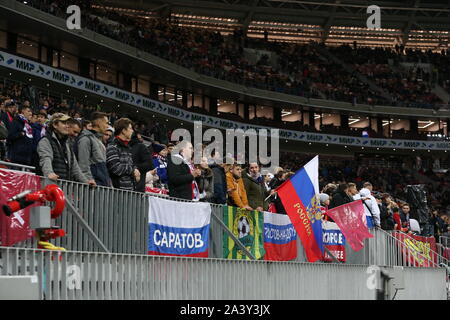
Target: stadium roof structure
[{"x": 412, "y": 23}]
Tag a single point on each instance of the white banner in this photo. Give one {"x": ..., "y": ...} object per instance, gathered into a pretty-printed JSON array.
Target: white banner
[
  {"x": 178, "y": 228},
  {"x": 37, "y": 69}
]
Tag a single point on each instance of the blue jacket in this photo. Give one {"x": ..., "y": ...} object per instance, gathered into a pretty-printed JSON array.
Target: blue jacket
[
  {"x": 19, "y": 145},
  {"x": 37, "y": 129},
  {"x": 161, "y": 169}
]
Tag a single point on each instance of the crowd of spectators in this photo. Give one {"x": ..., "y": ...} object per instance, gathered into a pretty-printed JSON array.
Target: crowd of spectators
[
  {"x": 390, "y": 181},
  {"x": 71, "y": 141},
  {"x": 300, "y": 69},
  {"x": 407, "y": 87}
]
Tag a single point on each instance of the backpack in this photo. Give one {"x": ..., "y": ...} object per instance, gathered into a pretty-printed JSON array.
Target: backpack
[{"x": 75, "y": 146}]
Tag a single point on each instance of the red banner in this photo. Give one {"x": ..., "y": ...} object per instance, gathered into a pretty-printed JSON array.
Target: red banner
[
  {"x": 15, "y": 228},
  {"x": 419, "y": 251},
  {"x": 351, "y": 220}
]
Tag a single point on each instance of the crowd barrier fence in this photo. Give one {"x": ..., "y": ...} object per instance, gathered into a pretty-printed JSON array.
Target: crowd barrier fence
[
  {"x": 105, "y": 276},
  {"x": 100, "y": 219}
]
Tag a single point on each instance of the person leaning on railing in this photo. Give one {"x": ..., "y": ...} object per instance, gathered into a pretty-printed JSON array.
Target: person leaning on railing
[
  {"x": 56, "y": 159},
  {"x": 119, "y": 159},
  {"x": 91, "y": 152}
]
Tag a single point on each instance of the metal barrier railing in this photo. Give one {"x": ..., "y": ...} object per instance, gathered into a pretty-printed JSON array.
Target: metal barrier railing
[
  {"x": 386, "y": 250},
  {"x": 445, "y": 241},
  {"x": 443, "y": 246},
  {"x": 92, "y": 275},
  {"x": 17, "y": 166},
  {"x": 100, "y": 219}
]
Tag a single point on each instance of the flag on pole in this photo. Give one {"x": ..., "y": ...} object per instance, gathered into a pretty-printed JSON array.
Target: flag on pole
[
  {"x": 351, "y": 219},
  {"x": 177, "y": 229},
  {"x": 280, "y": 237},
  {"x": 299, "y": 198},
  {"x": 247, "y": 226}
]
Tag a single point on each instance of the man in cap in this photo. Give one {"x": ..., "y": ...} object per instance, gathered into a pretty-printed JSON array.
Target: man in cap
[
  {"x": 7, "y": 117},
  {"x": 57, "y": 160}
]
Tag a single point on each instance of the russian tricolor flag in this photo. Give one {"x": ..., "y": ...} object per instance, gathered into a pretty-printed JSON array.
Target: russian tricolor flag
[
  {"x": 280, "y": 237},
  {"x": 299, "y": 196},
  {"x": 178, "y": 229}
]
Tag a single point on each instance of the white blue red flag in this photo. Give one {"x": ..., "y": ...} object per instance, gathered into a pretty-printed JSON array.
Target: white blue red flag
[
  {"x": 280, "y": 237},
  {"x": 334, "y": 241},
  {"x": 178, "y": 229},
  {"x": 299, "y": 196}
]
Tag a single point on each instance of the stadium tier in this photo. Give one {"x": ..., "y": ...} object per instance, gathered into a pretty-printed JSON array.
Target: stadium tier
[{"x": 152, "y": 150}]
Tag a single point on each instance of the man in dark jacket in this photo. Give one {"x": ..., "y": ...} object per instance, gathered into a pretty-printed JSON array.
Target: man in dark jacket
[
  {"x": 119, "y": 159},
  {"x": 142, "y": 159},
  {"x": 219, "y": 179},
  {"x": 20, "y": 137},
  {"x": 342, "y": 196},
  {"x": 182, "y": 173},
  {"x": 56, "y": 158},
  {"x": 220, "y": 184},
  {"x": 7, "y": 117},
  {"x": 404, "y": 215},
  {"x": 387, "y": 221},
  {"x": 91, "y": 152},
  {"x": 256, "y": 193}
]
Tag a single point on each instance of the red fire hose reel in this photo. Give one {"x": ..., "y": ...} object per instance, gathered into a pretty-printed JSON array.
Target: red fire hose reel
[{"x": 51, "y": 193}]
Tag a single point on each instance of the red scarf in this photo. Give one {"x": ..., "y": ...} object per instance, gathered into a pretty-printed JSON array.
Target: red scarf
[{"x": 124, "y": 141}]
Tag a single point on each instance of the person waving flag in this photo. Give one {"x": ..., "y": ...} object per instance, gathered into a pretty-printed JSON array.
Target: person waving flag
[{"x": 299, "y": 196}]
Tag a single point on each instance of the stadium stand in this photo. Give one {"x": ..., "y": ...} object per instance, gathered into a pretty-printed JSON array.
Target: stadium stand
[{"x": 110, "y": 162}]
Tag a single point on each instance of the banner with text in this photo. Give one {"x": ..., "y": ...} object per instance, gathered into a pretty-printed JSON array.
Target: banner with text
[
  {"x": 178, "y": 229},
  {"x": 280, "y": 237},
  {"x": 418, "y": 251},
  {"x": 334, "y": 241},
  {"x": 49, "y": 73}
]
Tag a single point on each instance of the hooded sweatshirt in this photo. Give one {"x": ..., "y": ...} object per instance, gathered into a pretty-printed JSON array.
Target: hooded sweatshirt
[
  {"x": 91, "y": 154},
  {"x": 372, "y": 204}
]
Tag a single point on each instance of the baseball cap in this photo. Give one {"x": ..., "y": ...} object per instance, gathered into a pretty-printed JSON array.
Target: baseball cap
[
  {"x": 10, "y": 103},
  {"x": 59, "y": 117}
]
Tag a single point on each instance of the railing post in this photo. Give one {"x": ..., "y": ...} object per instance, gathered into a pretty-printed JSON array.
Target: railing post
[{"x": 86, "y": 227}]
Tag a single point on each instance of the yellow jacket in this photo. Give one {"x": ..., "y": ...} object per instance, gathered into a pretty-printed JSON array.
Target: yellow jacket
[{"x": 237, "y": 196}]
